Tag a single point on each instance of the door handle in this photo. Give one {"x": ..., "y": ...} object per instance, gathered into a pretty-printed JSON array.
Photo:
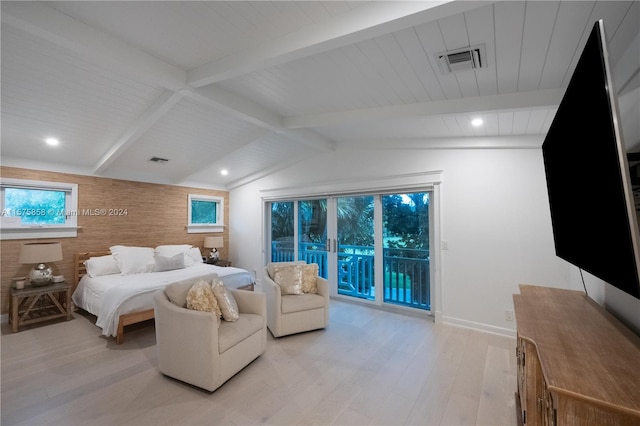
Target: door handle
[
  {"x": 335, "y": 244},
  {"x": 328, "y": 245}
]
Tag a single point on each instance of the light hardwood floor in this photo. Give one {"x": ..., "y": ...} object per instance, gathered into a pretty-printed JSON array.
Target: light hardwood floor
[{"x": 368, "y": 367}]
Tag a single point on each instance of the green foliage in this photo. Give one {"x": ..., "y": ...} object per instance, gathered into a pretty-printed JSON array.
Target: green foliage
[
  {"x": 35, "y": 206},
  {"x": 312, "y": 221},
  {"x": 355, "y": 220},
  {"x": 281, "y": 220},
  {"x": 406, "y": 220},
  {"x": 397, "y": 280},
  {"x": 203, "y": 211}
]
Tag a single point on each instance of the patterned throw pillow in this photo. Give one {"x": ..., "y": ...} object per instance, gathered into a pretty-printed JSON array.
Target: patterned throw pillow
[
  {"x": 202, "y": 298},
  {"x": 289, "y": 278},
  {"x": 309, "y": 275},
  {"x": 226, "y": 301}
]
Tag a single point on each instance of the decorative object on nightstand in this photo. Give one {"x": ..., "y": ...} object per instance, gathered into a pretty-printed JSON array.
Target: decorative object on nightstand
[
  {"x": 213, "y": 243},
  {"x": 39, "y": 254},
  {"x": 18, "y": 282}
]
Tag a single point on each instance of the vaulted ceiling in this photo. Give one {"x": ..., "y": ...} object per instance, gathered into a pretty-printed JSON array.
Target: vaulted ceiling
[{"x": 252, "y": 87}]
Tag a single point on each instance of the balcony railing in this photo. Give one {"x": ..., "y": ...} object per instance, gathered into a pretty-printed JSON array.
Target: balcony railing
[{"x": 406, "y": 271}]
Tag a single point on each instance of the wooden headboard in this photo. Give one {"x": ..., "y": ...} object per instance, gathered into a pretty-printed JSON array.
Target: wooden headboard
[{"x": 79, "y": 269}]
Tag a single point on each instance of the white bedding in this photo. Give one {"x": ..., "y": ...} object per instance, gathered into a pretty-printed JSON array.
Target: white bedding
[{"x": 109, "y": 296}]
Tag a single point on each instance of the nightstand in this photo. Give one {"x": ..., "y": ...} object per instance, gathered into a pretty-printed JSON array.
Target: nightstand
[
  {"x": 218, "y": 262},
  {"x": 31, "y": 305}
]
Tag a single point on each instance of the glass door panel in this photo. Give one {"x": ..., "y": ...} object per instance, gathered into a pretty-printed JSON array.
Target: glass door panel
[
  {"x": 282, "y": 232},
  {"x": 355, "y": 251},
  {"x": 312, "y": 233},
  {"x": 405, "y": 229}
]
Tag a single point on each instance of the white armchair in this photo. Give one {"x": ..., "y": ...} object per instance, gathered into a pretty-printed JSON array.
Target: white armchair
[
  {"x": 290, "y": 314},
  {"x": 192, "y": 348}
]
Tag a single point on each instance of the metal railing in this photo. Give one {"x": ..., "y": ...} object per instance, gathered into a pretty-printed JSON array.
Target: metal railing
[{"x": 406, "y": 271}]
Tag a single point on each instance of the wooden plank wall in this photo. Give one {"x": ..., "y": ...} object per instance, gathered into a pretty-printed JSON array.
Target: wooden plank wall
[{"x": 156, "y": 214}]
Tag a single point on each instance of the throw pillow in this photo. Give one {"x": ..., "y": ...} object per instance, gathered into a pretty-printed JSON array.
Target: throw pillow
[
  {"x": 170, "y": 250},
  {"x": 192, "y": 257},
  {"x": 169, "y": 263},
  {"x": 134, "y": 260},
  {"x": 271, "y": 267},
  {"x": 226, "y": 301},
  {"x": 289, "y": 278},
  {"x": 201, "y": 298},
  {"x": 177, "y": 291},
  {"x": 101, "y": 265},
  {"x": 309, "y": 275}
]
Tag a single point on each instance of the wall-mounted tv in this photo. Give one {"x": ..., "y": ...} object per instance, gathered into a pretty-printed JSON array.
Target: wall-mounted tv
[{"x": 594, "y": 220}]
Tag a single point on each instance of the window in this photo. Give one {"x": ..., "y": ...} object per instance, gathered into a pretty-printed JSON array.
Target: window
[
  {"x": 38, "y": 209},
  {"x": 206, "y": 214}
]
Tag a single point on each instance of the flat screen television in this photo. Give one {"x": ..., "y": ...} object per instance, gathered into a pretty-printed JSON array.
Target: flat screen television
[{"x": 593, "y": 215}]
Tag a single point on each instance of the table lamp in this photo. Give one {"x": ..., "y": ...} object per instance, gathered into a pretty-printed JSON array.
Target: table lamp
[
  {"x": 39, "y": 254},
  {"x": 213, "y": 243}
]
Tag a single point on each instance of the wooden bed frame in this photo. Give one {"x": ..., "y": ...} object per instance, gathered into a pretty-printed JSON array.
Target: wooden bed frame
[{"x": 127, "y": 319}]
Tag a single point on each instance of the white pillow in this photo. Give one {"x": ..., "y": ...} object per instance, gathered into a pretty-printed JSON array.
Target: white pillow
[
  {"x": 192, "y": 257},
  {"x": 169, "y": 263},
  {"x": 134, "y": 260},
  {"x": 102, "y": 265},
  {"x": 171, "y": 250}
]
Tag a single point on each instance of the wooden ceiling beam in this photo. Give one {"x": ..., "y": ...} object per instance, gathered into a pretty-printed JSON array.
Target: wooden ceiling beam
[
  {"x": 164, "y": 103},
  {"x": 508, "y": 101},
  {"x": 476, "y": 142},
  {"x": 248, "y": 111},
  {"x": 375, "y": 19},
  {"x": 236, "y": 106}
]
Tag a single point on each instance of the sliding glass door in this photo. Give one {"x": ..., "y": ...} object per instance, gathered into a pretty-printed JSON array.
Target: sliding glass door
[
  {"x": 355, "y": 246},
  {"x": 373, "y": 247},
  {"x": 312, "y": 233},
  {"x": 282, "y": 226},
  {"x": 406, "y": 262},
  {"x": 299, "y": 232}
]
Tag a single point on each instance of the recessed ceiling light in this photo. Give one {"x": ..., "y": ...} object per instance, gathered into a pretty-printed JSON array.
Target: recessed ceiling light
[
  {"x": 477, "y": 122},
  {"x": 224, "y": 172},
  {"x": 52, "y": 141}
]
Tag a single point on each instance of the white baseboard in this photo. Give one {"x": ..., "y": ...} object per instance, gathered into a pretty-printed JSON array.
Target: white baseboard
[{"x": 457, "y": 322}]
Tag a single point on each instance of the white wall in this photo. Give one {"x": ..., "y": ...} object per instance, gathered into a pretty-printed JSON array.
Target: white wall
[
  {"x": 495, "y": 218},
  {"x": 495, "y": 212}
]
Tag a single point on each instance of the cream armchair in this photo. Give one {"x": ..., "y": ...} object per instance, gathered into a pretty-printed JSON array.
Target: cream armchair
[
  {"x": 290, "y": 314},
  {"x": 191, "y": 347}
]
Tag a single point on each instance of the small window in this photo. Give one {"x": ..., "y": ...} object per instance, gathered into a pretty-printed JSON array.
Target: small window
[
  {"x": 38, "y": 209},
  {"x": 206, "y": 214}
]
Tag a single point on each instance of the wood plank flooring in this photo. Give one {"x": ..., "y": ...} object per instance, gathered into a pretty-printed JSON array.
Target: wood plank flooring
[{"x": 369, "y": 367}]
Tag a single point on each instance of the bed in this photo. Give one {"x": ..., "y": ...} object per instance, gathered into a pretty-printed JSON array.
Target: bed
[{"x": 120, "y": 300}]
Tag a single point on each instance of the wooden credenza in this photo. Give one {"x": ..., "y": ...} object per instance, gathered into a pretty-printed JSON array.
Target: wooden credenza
[{"x": 577, "y": 364}]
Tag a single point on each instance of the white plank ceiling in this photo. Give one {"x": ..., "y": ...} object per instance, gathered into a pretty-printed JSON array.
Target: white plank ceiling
[{"x": 253, "y": 87}]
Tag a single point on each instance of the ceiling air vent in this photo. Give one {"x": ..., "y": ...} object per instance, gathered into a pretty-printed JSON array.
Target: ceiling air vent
[
  {"x": 467, "y": 58},
  {"x": 159, "y": 160}
]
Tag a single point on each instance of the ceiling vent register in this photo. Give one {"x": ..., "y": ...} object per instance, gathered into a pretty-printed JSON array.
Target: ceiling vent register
[
  {"x": 159, "y": 160},
  {"x": 464, "y": 59}
]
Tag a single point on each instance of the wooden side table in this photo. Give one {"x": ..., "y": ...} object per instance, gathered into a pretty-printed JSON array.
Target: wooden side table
[
  {"x": 31, "y": 305},
  {"x": 219, "y": 262}
]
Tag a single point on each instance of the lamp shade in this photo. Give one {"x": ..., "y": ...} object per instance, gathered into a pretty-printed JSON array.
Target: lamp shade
[
  {"x": 40, "y": 252},
  {"x": 213, "y": 242}
]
